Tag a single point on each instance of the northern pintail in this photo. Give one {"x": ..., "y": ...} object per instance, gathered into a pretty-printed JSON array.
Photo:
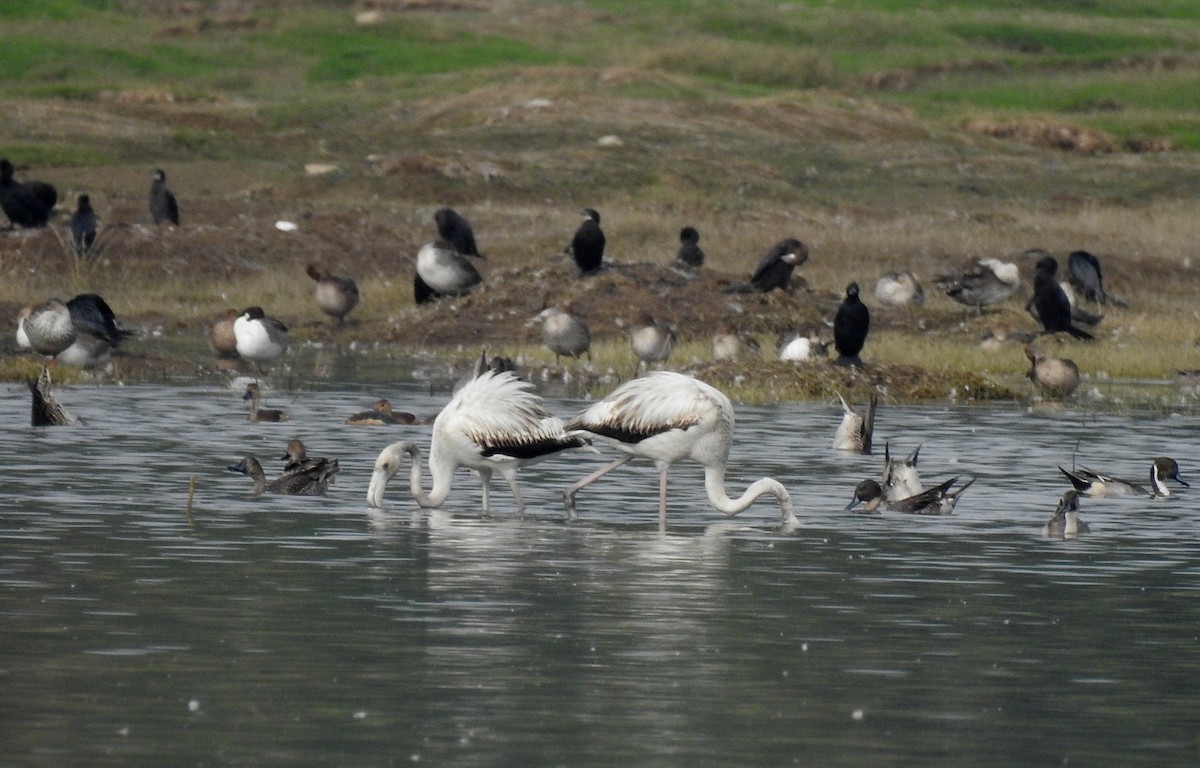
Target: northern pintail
[
  {"x": 1091, "y": 483},
  {"x": 47, "y": 327},
  {"x": 689, "y": 255},
  {"x": 563, "y": 333},
  {"x": 851, "y": 324},
  {"x": 802, "y": 346},
  {"x": 336, "y": 296},
  {"x": 446, "y": 271},
  {"x": 163, "y": 206},
  {"x": 310, "y": 482},
  {"x": 1065, "y": 523},
  {"x": 46, "y": 410},
  {"x": 981, "y": 282},
  {"x": 775, "y": 268},
  {"x": 729, "y": 344},
  {"x": 939, "y": 500},
  {"x": 254, "y": 395},
  {"x": 901, "y": 480},
  {"x": 855, "y": 430},
  {"x": 260, "y": 337},
  {"x": 221, "y": 338},
  {"x": 299, "y": 462},
  {"x": 26, "y": 204},
  {"x": 1053, "y": 376},
  {"x": 381, "y": 415},
  {"x": 651, "y": 340},
  {"x": 587, "y": 245},
  {"x": 899, "y": 289}
]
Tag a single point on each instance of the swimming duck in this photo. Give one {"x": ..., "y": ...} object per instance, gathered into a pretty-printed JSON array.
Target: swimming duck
[
  {"x": 981, "y": 282},
  {"x": 1054, "y": 376},
  {"x": 254, "y": 395},
  {"x": 298, "y": 460},
  {"x": 901, "y": 481},
  {"x": 775, "y": 268},
  {"x": 1051, "y": 302},
  {"x": 47, "y": 327},
  {"x": 651, "y": 340},
  {"x": 1091, "y": 483},
  {"x": 445, "y": 271},
  {"x": 46, "y": 410},
  {"x": 83, "y": 228},
  {"x": 850, "y": 327},
  {"x": 564, "y": 334},
  {"x": 689, "y": 255},
  {"x": 28, "y": 204},
  {"x": 899, "y": 289},
  {"x": 587, "y": 245},
  {"x": 260, "y": 337},
  {"x": 854, "y": 433},
  {"x": 1065, "y": 524},
  {"x": 311, "y": 482},
  {"x": 939, "y": 500},
  {"x": 381, "y": 415},
  {"x": 728, "y": 344},
  {"x": 163, "y": 206},
  {"x": 336, "y": 296}
]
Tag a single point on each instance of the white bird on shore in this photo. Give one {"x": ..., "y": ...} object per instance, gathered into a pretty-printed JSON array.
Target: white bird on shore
[
  {"x": 495, "y": 423},
  {"x": 666, "y": 416},
  {"x": 260, "y": 338}
]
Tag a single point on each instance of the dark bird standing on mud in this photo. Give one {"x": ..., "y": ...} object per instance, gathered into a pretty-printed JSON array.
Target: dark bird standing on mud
[
  {"x": 587, "y": 246},
  {"x": 83, "y": 227},
  {"x": 26, "y": 204},
  {"x": 163, "y": 206},
  {"x": 689, "y": 254},
  {"x": 1053, "y": 307},
  {"x": 775, "y": 269},
  {"x": 850, "y": 327}
]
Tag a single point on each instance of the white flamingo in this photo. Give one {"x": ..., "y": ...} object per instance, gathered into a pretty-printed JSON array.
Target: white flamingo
[
  {"x": 495, "y": 423},
  {"x": 665, "y": 417}
]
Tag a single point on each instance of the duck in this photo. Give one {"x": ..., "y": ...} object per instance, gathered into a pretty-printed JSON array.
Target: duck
[
  {"x": 445, "y": 271},
  {"x": 774, "y": 270},
  {"x": 298, "y": 460},
  {"x": 651, "y": 340},
  {"x": 45, "y": 410},
  {"x": 26, "y": 204},
  {"x": 97, "y": 335},
  {"x": 855, "y": 431},
  {"x": 1054, "y": 376},
  {"x": 689, "y": 256},
  {"x": 1065, "y": 523},
  {"x": 381, "y": 414},
  {"x": 1097, "y": 484},
  {"x": 939, "y": 500},
  {"x": 901, "y": 480},
  {"x": 800, "y": 347},
  {"x": 1083, "y": 274},
  {"x": 899, "y": 289},
  {"x": 46, "y": 328},
  {"x": 83, "y": 228},
  {"x": 728, "y": 344},
  {"x": 260, "y": 337},
  {"x": 336, "y": 296},
  {"x": 221, "y": 338},
  {"x": 454, "y": 228},
  {"x": 1051, "y": 303},
  {"x": 851, "y": 324},
  {"x": 563, "y": 333},
  {"x": 163, "y": 206},
  {"x": 310, "y": 482},
  {"x": 981, "y": 282},
  {"x": 254, "y": 395},
  {"x": 587, "y": 245}
]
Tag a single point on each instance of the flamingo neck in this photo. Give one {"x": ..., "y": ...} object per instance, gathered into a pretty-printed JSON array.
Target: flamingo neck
[
  {"x": 442, "y": 480},
  {"x": 714, "y": 484}
]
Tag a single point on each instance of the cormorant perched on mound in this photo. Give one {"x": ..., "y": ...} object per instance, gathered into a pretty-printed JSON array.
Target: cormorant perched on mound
[
  {"x": 1053, "y": 307},
  {"x": 689, "y": 254},
  {"x": 775, "y": 269},
  {"x": 1083, "y": 273},
  {"x": 163, "y": 206},
  {"x": 456, "y": 230},
  {"x": 27, "y": 204},
  {"x": 850, "y": 327},
  {"x": 83, "y": 227},
  {"x": 587, "y": 246}
]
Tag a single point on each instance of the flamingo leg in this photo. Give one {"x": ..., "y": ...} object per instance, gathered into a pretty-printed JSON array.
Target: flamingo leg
[
  {"x": 569, "y": 494},
  {"x": 511, "y": 477},
  {"x": 662, "y": 501},
  {"x": 485, "y": 477}
]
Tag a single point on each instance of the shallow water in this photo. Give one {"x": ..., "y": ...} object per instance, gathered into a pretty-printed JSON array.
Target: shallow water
[{"x": 275, "y": 630}]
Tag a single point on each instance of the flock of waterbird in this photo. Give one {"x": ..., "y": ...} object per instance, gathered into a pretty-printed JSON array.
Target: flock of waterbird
[{"x": 496, "y": 423}]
